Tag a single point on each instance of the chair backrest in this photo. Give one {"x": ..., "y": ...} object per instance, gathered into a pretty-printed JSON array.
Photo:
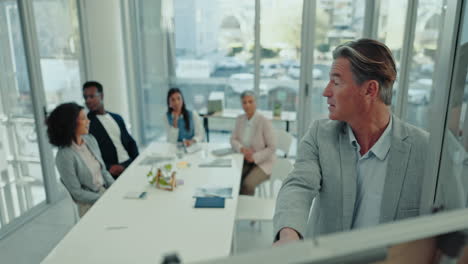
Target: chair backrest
[
  {"x": 76, "y": 214},
  {"x": 281, "y": 169},
  {"x": 283, "y": 141}
]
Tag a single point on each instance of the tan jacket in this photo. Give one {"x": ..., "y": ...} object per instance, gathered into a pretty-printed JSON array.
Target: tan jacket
[{"x": 263, "y": 140}]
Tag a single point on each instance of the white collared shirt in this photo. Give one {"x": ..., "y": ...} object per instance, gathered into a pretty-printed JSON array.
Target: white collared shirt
[
  {"x": 113, "y": 130},
  {"x": 247, "y": 135},
  {"x": 371, "y": 172}
]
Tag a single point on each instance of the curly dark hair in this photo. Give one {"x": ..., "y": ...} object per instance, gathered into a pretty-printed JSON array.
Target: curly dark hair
[{"x": 61, "y": 124}]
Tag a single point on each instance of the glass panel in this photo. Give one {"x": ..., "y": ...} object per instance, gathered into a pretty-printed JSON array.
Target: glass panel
[
  {"x": 391, "y": 32},
  {"x": 214, "y": 46},
  {"x": 151, "y": 35},
  {"x": 21, "y": 179},
  {"x": 280, "y": 53},
  {"x": 60, "y": 50},
  {"x": 452, "y": 191},
  {"x": 428, "y": 25},
  {"x": 336, "y": 22}
]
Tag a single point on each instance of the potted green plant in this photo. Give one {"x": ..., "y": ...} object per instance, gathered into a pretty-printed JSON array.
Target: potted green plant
[{"x": 277, "y": 109}]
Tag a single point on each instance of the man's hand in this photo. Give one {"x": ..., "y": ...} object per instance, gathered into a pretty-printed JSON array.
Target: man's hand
[
  {"x": 287, "y": 235},
  {"x": 116, "y": 170}
]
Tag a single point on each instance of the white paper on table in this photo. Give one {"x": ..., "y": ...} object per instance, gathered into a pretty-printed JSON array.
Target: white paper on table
[{"x": 225, "y": 192}]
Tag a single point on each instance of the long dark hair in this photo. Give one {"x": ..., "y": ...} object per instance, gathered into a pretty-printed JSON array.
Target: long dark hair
[
  {"x": 185, "y": 113},
  {"x": 61, "y": 124}
]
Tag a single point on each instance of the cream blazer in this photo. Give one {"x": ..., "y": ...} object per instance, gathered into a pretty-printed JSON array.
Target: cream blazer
[{"x": 262, "y": 142}]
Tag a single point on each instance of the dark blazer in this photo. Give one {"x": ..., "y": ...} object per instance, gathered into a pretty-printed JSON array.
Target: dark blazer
[{"x": 108, "y": 150}]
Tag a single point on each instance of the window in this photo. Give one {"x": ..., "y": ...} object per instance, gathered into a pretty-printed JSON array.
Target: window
[
  {"x": 280, "y": 53},
  {"x": 21, "y": 179},
  {"x": 336, "y": 23},
  {"x": 58, "y": 36},
  {"x": 391, "y": 32},
  {"x": 214, "y": 49},
  {"x": 424, "y": 61},
  {"x": 452, "y": 189}
]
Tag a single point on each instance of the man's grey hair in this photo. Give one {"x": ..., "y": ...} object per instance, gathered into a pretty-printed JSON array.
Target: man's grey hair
[
  {"x": 370, "y": 60},
  {"x": 247, "y": 93}
]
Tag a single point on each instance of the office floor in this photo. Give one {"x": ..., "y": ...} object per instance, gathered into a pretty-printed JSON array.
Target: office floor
[{"x": 32, "y": 242}]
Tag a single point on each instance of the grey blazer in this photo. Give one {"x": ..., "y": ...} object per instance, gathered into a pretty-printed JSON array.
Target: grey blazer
[
  {"x": 76, "y": 175},
  {"x": 325, "y": 169}
]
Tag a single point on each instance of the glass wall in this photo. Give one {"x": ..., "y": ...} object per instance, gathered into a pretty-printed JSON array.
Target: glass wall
[
  {"x": 22, "y": 183},
  {"x": 214, "y": 43},
  {"x": 207, "y": 49},
  {"x": 452, "y": 190},
  {"x": 214, "y": 54},
  {"x": 391, "y": 31},
  {"x": 429, "y": 22},
  {"x": 21, "y": 179},
  {"x": 336, "y": 23},
  {"x": 151, "y": 39},
  {"x": 58, "y": 35},
  {"x": 280, "y": 53}
]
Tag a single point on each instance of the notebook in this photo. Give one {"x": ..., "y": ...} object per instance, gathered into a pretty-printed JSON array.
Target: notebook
[
  {"x": 150, "y": 160},
  {"x": 209, "y": 202},
  {"x": 192, "y": 148},
  {"x": 222, "y": 152},
  {"x": 217, "y": 163}
]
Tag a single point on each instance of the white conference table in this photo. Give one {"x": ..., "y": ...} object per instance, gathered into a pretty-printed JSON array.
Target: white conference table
[{"x": 119, "y": 230}]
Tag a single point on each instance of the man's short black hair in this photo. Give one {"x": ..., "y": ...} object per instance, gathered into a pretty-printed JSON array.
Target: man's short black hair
[{"x": 93, "y": 84}]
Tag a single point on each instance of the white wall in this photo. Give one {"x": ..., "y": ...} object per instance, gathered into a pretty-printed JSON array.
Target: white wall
[{"x": 104, "y": 51}]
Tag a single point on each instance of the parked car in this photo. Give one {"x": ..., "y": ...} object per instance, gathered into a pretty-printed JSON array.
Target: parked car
[
  {"x": 230, "y": 63},
  {"x": 419, "y": 92},
  {"x": 288, "y": 63},
  {"x": 426, "y": 69},
  {"x": 270, "y": 70},
  {"x": 242, "y": 76},
  {"x": 244, "y": 81},
  {"x": 193, "y": 68},
  {"x": 325, "y": 70},
  {"x": 295, "y": 70}
]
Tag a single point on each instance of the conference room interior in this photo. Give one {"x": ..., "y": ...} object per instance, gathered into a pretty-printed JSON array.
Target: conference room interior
[{"x": 213, "y": 50}]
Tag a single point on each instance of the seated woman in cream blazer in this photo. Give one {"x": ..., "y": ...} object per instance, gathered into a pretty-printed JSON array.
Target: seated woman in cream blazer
[
  {"x": 78, "y": 159},
  {"x": 253, "y": 137}
]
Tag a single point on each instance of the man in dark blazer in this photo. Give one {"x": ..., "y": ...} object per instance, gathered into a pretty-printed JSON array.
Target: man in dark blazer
[{"x": 117, "y": 147}]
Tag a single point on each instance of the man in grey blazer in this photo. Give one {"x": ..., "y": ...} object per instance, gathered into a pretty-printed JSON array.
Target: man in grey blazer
[{"x": 362, "y": 166}]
